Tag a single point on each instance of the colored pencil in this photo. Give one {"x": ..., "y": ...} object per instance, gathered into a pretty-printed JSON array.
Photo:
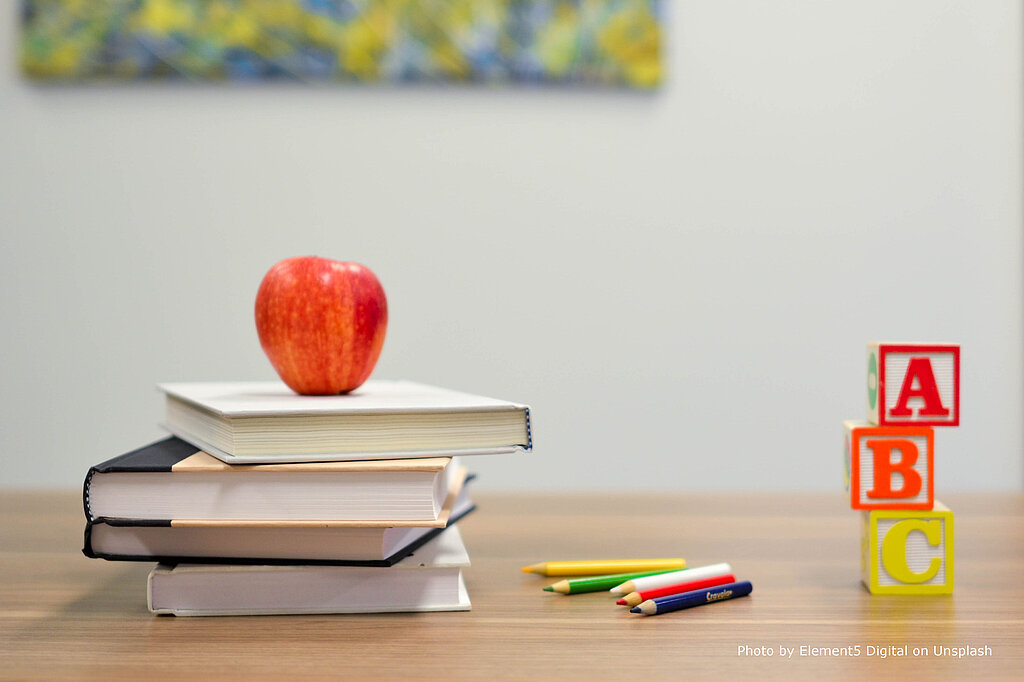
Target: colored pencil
[
  {"x": 634, "y": 598},
  {"x": 652, "y": 581},
  {"x": 604, "y": 566},
  {"x": 598, "y": 583},
  {"x": 675, "y": 602}
]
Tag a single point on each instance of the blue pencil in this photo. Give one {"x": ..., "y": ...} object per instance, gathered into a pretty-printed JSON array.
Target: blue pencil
[{"x": 674, "y": 602}]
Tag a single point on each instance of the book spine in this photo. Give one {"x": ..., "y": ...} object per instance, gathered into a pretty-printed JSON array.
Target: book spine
[
  {"x": 87, "y": 541},
  {"x": 529, "y": 431},
  {"x": 85, "y": 494}
]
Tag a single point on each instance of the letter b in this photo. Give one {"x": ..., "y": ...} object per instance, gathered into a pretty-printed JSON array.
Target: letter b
[
  {"x": 891, "y": 467},
  {"x": 884, "y": 468}
]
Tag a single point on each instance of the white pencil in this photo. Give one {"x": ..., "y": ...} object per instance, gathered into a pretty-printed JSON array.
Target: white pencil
[{"x": 662, "y": 579}]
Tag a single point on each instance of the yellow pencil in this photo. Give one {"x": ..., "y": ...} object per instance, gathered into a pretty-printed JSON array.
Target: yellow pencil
[{"x": 603, "y": 566}]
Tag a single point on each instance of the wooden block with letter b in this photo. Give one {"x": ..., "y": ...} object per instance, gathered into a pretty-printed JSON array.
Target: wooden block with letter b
[
  {"x": 890, "y": 467},
  {"x": 907, "y": 552},
  {"x": 913, "y": 384}
]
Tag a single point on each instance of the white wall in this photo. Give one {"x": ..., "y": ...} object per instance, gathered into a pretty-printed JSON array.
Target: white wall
[{"x": 681, "y": 284}]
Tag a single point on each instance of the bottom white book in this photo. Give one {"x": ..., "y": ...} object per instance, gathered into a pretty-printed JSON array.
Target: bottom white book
[{"x": 428, "y": 580}]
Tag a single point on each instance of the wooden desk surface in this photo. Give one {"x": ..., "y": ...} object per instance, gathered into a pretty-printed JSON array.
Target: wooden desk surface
[{"x": 65, "y": 616}]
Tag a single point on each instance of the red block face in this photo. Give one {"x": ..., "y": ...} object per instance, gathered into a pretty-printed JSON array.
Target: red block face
[
  {"x": 914, "y": 384},
  {"x": 891, "y": 467}
]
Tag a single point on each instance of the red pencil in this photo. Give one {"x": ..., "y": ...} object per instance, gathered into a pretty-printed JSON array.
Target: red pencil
[{"x": 634, "y": 598}]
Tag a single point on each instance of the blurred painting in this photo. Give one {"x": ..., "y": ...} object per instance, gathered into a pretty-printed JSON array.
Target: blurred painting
[{"x": 600, "y": 43}]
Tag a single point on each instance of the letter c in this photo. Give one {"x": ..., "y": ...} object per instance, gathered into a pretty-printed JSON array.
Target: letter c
[{"x": 894, "y": 549}]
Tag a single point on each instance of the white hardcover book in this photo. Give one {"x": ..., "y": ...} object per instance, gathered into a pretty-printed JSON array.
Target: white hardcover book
[
  {"x": 257, "y": 422},
  {"x": 428, "y": 580}
]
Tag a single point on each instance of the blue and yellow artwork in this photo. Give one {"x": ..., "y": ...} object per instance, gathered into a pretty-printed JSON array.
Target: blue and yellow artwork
[{"x": 615, "y": 43}]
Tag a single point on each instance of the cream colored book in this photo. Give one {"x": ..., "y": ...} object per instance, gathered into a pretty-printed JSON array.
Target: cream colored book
[
  {"x": 260, "y": 422},
  {"x": 171, "y": 479},
  {"x": 428, "y": 580}
]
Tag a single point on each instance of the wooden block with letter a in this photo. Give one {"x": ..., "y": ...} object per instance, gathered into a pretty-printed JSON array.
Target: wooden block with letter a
[
  {"x": 913, "y": 384},
  {"x": 890, "y": 467},
  {"x": 907, "y": 552}
]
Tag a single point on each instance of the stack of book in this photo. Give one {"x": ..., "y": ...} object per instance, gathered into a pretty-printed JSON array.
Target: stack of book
[{"x": 268, "y": 502}]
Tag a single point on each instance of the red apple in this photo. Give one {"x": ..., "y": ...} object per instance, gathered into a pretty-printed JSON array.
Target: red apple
[{"x": 321, "y": 323}]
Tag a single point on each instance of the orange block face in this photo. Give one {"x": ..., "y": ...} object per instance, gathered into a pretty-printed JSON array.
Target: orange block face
[{"x": 890, "y": 467}]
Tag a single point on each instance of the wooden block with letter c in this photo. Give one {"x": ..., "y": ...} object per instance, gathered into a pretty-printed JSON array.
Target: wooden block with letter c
[{"x": 908, "y": 552}]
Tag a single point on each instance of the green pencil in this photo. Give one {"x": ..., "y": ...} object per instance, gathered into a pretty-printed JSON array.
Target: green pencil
[{"x": 598, "y": 582}]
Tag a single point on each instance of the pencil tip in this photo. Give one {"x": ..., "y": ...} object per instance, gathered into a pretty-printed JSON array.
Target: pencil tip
[
  {"x": 526, "y": 569},
  {"x": 635, "y": 609},
  {"x": 549, "y": 588},
  {"x": 621, "y": 602}
]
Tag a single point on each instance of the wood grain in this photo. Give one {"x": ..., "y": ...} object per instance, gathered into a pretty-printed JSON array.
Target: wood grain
[{"x": 65, "y": 616}]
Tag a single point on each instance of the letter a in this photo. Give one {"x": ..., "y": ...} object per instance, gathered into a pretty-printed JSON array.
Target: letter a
[
  {"x": 884, "y": 468},
  {"x": 920, "y": 371}
]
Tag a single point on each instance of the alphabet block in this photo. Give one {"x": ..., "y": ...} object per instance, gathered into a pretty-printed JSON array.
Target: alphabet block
[
  {"x": 913, "y": 384},
  {"x": 907, "y": 552},
  {"x": 890, "y": 467}
]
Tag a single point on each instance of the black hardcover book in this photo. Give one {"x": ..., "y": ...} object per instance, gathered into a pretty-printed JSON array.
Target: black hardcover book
[
  {"x": 160, "y": 541},
  {"x": 172, "y": 503}
]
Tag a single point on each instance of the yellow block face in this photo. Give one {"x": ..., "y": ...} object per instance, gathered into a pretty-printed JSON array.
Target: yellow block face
[{"x": 908, "y": 552}]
